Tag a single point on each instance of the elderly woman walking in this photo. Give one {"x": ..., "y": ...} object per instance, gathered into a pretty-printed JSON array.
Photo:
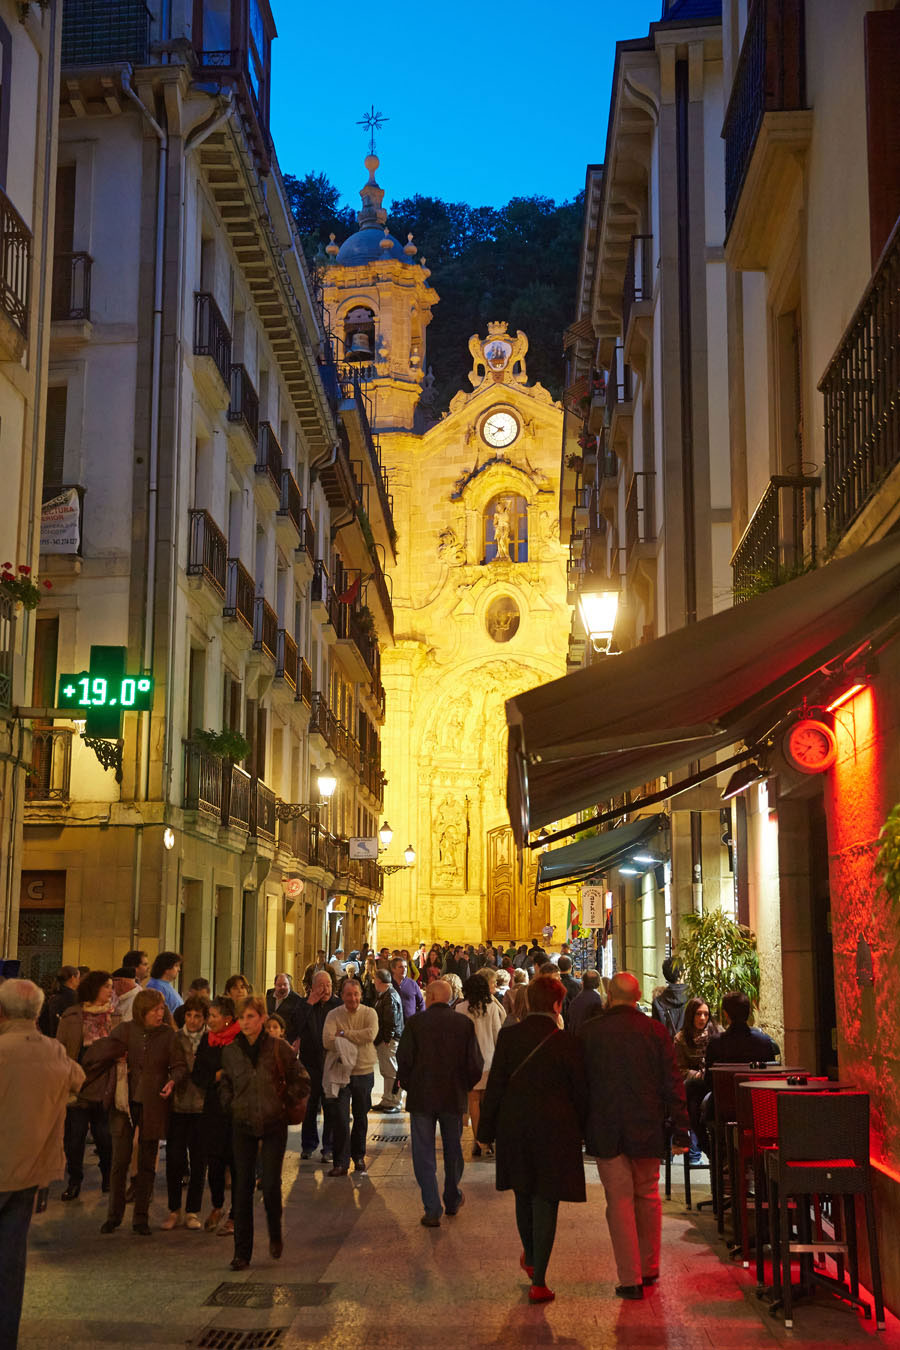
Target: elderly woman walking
[
  {"x": 534, "y": 1107},
  {"x": 262, "y": 1080}
]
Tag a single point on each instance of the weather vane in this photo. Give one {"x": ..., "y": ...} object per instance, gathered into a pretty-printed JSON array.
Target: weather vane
[{"x": 372, "y": 121}]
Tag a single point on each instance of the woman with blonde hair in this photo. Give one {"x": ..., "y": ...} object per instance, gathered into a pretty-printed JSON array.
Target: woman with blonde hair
[
  {"x": 143, "y": 1093},
  {"x": 456, "y": 985},
  {"x": 483, "y": 1010}
]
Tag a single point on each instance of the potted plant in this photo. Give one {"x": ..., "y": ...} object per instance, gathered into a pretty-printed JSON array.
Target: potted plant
[
  {"x": 224, "y": 744},
  {"x": 20, "y": 586},
  {"x": 887, "y": 861},
  {"x": 716, "y": 956}
]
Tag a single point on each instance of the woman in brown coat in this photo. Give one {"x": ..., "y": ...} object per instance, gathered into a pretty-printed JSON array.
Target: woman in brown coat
[
  {"x": 87, "y": 1020},
  {"x": 146, "y": 1044}
]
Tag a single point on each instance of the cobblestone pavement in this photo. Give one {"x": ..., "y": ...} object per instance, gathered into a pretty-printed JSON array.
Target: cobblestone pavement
[{"x": 359, "y": 1271}]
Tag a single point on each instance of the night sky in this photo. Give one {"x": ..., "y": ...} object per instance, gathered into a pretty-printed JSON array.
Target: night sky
[{"x": 485, "y": 102}]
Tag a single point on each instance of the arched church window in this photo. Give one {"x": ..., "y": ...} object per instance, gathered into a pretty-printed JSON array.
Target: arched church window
[
  {"x": 505, "y": 529},
  {"x": 359, "y": 334}
]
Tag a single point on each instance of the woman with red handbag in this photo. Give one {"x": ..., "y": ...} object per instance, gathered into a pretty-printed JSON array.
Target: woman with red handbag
[{"x": 265, "y": 1088}]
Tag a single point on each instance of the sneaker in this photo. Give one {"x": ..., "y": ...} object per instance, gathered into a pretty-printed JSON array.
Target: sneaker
[
  {"x": 305, "y": 1153},
  {"x": 192, "y": 1221},
  {"x": 173, "y": 1220},
  {"x": 359, "y": 1165}
]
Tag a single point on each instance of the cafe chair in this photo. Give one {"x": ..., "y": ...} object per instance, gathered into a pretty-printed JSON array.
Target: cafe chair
[{"x": 823, "y": 1150}]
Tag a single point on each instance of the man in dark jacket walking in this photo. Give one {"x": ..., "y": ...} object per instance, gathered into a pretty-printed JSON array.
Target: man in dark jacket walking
[
  {"x": 310, "y": 1020},
  {"x": 390, "y": 1029},
  {"x": 586, "y": 1004},
  {"x": 282, "y": 1000},
  {"x": 634, "y": 1088},
  {"x": 439, "y": 1062}
]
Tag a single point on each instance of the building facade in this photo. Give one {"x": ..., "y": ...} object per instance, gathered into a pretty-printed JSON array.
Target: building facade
[
  {"x": 210, "y": 465},
  {"x": 29, "y": 89},
  {"x": 478, "y": 588}
]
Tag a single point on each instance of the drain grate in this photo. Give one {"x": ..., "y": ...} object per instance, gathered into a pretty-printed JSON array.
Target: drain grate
[
  {"x": 389, "y": 1138},
  {"x": 222, "y": 1338},
  {"x": 269, "y": 1295}
]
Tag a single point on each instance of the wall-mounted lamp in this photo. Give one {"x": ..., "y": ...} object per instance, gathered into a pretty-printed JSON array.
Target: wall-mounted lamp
[
  {"x": 846, "y": 696},
  {"x": 168, "y": 837},
  {"x": 598, "y": 604},
  {"x": 327, "y": 785},
  {"x": 743, "y": 777},
  {"x": 385, "y": 835}
]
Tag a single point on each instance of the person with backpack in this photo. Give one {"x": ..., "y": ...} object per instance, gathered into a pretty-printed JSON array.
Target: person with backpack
[{"x": 670, "y": 1001}]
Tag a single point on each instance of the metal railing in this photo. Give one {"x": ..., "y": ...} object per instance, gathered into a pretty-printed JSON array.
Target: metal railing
[
  {"x": 322, "y": 721},
  {"x": 236, "y": 801},
  {"x": 71, "y": 290},
  {"x": 293, "y": 834},
  {"x": 638, "y": 275},
  {"x": 211, "y": 335},
  {"x": 15, "y": 264},
  {"x": 770, "y": 77},
  {"x": 780, "y": 539},
  {"x": 265, "y": 628},
  {"x": 103, "y": 32},
  {"x": 861, "y": 387},
  {"x": 7, "y": 648},
  {"x": 351, "y": 387},
  {"x": 219, "y": 60},
  {"x": 240, "y": 594},
  {"x": 203, "y": 780},
  {"x": 291, "y": 500},
  {"x": 262, "y": 811},
  {"x": 307, "y": 535},
  {"x": 323, "y": 592},
  {"x": 304, "y": 683},
  {"x": 618, "y": 382},
  {"x": 640, "y": 525},
  {"x": 286, "y": 659},
  {"x": 244, "y": 406},
  {"x": 379, "y": 580},
  {"x": 348, "y": 624},
  {"x": 207, "y": 550},
  {"x": 323, "y": 850},
  {"x": 269, "y": 459},
  {"x": 48, "y": 776}
]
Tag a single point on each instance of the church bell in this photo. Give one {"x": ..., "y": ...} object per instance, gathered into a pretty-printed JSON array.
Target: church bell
[{"x": 359, "y": 345}]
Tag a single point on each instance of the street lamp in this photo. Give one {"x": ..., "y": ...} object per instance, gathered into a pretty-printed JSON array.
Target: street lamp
[
  {"x": 598, "y": 603},
  {"x": 327, "y": 785},
  {"x": 385, "y": 835}
]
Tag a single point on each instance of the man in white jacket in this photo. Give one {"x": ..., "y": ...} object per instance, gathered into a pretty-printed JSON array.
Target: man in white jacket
[
  {"x": 356, "y": 1023},
  {"x": 36, "y": 1079}
]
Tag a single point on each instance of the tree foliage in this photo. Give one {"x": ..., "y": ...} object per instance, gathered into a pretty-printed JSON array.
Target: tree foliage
[
  {"x": 717, "y": 955},
  {"x": 518, "y": 262}
]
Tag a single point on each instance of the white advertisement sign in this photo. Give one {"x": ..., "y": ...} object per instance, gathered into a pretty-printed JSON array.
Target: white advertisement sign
[
  {"x": 61, "y": 523},
  {"x": 364, "y": 848},
  {"x": 593, "y": 907}
]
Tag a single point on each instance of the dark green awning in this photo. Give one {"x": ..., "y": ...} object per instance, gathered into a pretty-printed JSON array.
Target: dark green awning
[{"x": 590, "y": 857}]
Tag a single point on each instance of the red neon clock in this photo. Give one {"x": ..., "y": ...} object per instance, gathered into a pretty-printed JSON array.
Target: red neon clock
[{"x": 809, "y": 746}]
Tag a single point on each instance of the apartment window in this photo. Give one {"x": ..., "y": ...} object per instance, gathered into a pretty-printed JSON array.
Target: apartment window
[
  {"x": 215, "y": 26},
  {"x": 789, "y": 402},
  {"x": 55, "y": 435},
  {"x": 258, "y": 60},
  {"x": 196, "y": 709},
  {"x": 231, "y": 703},
  {"x": 46, "y": 643}
]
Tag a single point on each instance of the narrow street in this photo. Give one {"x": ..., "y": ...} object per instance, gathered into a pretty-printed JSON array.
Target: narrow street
[{"x": 359, "y": 1269}]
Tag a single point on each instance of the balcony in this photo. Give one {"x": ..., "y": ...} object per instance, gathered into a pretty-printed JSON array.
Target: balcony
[
  {"x": 323, "y": 849},
  {"x": 243, "y": 410},
  {"x": 293, "y": 835},
  {"x": 48, "y": 776},
  {"x": 286, "y": 659},
  {"x": 779, "y": 542},
  {"x": 767, "y": 130},
  {"x": 212, "y": 340},
  {"x": 218, "y": 789},
  {"x": 305, "y": 552},
  {"x": 322, "y": 721},
  {"x": 290, "y": 513},
  {"x": 265, "y": 628},
  {"x": 352, "y": 393},
  {"x": 207, "y": 550},
  {"x": 105, "y": 32},
  {"x": 262, "y": 811},
  {"x": 237, "y": 796},
  {"x": 324, "y": 604},
  {"x": 640, "y": 524},
  {"x": 336, "y": 475},
  {"x": 637, "y": 303},
  {"x": 240, "y": 595},
  {"x": 269, "y": 463},
  {"x": 861, "y": 387},
  {"x": 15, "y": 280},
  {"x": 7, "y": 648},
  {"x": 70, "y": 299},
  {"x": 618, "y": 403},
  {"x": 304, "y": 683},
  {"x": 356, "y": 643}
]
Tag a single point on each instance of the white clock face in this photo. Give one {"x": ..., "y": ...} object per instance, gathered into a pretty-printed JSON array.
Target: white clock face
[{"x": 499, "y": 429}]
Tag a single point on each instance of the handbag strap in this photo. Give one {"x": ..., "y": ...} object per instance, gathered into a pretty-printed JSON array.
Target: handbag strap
[{"x": 532, "y": 1052}]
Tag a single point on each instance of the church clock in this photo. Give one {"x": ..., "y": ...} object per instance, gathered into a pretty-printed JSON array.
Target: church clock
[{"x": 499, "y": 429}]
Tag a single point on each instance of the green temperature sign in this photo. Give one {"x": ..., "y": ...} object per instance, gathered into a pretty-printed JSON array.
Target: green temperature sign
[{"x": 104, "y": 691}]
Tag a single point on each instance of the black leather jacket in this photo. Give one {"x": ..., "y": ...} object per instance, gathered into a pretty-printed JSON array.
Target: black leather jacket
[{"x": 390, "y": 1016}]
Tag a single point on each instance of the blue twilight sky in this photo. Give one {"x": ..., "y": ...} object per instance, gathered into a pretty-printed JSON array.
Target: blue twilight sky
[{"x": 485, "y": 102}]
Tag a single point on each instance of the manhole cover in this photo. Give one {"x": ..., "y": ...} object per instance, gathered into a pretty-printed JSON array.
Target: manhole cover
[
  {"x": 221, "y": 1338},
  {"x": 389, "y": 1138},
  {"x": 269, "y": 1296}
]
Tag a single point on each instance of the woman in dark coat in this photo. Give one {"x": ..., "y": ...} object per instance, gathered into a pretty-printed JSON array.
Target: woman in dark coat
[
  {"x": 146, "y": 1044},
  {"x": 261, "y": 1077},
  {"x": 85, "y": 1021},
  {"x": 215, "y": 1122},
  {"x": 534, "y": 1109}
]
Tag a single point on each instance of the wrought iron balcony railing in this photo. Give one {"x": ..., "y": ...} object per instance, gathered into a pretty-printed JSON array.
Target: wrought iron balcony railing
[
  {"x": 293, "y": 834},
  {"x": 286, "y": 659},
  {"x": 244, "y": 406},
  {"x": 638, "y": 275},
  {"x": 262, "y": 811},
  {"x": 240, "y": 594},
  {"x": 291, "y": 500},
  {"x": 269, "y": 459},
  {"x": 207, "y": 550},
  {"x": 618, "y": 382},
  {"x": 640, "y": 526},
  {"x": 211, "y": 335},
  {"x": 48, "y": 777},
  {"x": 7, "y": 648},
  {"x": 322, "y": 721},
  {"x": 71, "y": 294},
  {"x": 15, "y": 264},
  {"x": 307, "y": 535},
  {"x": 770, "y": 77},
  {"x": 265, "y": 628},
  {"x": 103, "y": 32},
  {"x": 304, "y": 683},
  {"x": 780, "y": 539},
  {"x": 862, "y": 397}
]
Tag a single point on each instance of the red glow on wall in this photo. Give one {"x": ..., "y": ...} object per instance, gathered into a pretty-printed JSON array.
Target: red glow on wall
[{"x": 845, "y": 697}]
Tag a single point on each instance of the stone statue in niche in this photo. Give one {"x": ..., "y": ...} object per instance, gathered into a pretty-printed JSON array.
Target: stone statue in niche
[
  {"x": 502, "y": 526},
  {"x": 450, "y": 841},
  {"x": 455, "y": 725}
]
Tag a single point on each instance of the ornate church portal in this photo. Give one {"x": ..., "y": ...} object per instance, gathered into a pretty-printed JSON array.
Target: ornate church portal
[{"x": 478, "y": 585}]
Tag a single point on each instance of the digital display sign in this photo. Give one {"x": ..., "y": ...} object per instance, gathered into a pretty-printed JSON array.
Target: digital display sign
[{"x": 127, "y": 693}]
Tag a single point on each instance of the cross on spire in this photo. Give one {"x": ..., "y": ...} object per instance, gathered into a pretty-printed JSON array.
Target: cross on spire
[{"x": 372, "y": 121}]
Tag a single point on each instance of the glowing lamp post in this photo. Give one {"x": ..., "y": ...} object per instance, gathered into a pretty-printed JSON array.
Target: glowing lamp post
[{"x": 598, "y": 604}]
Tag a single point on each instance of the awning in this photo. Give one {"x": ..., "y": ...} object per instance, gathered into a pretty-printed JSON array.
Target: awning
[
  {"x": 599, "y": 852},
  {"x": 601, "y": 731}
]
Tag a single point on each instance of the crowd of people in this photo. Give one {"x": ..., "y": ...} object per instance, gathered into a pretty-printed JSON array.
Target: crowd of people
[{"x": 543, "y": 1065}]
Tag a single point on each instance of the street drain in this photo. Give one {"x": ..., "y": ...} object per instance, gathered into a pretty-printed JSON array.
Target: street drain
[
  {"x": 269, "y": 1295},
  {"x": 221, "y": 1338},
  {"x": 389, "y": 1138}
]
